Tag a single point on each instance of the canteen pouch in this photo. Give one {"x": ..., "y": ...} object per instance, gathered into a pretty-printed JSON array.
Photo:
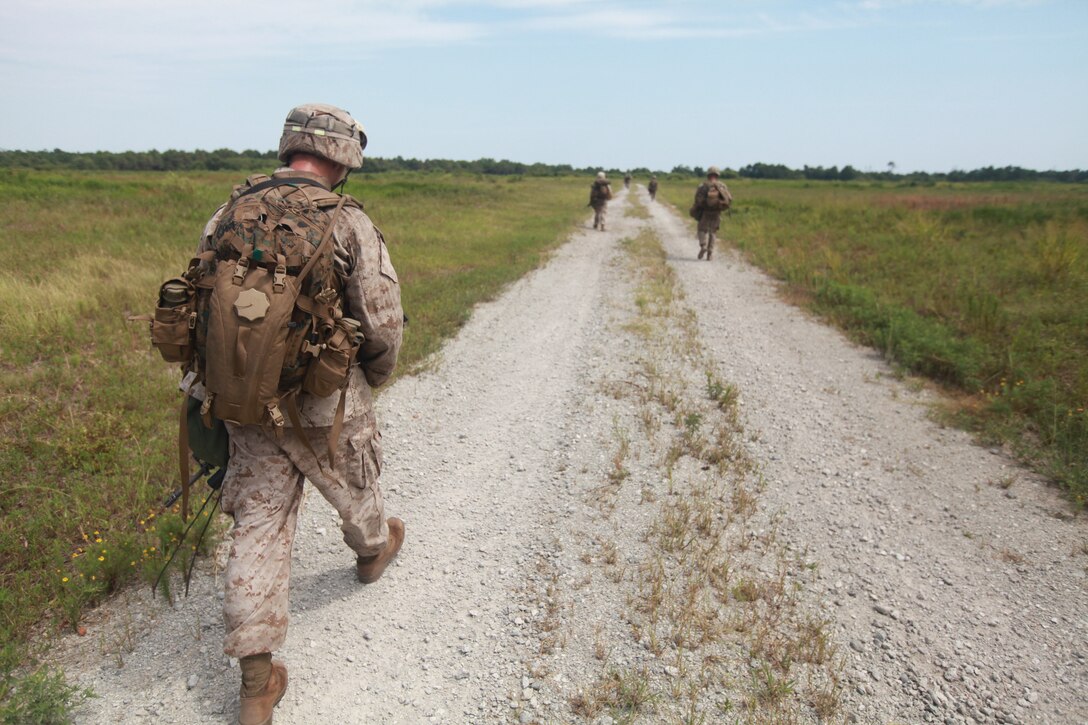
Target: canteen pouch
[
  {"x": 174, "y": 321},
  {"x": 328, "y": 372}
]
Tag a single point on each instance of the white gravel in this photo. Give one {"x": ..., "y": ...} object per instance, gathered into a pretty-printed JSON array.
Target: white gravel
[{"x": 952, "y": 595}]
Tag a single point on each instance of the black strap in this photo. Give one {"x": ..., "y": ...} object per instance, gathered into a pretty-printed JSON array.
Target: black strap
[{"x": 284, "y": 181}]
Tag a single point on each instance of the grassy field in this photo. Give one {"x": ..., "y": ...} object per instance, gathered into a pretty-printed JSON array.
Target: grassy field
[
  {"x": 981, "y": 287},
  {"x": 88, "y": 410}
]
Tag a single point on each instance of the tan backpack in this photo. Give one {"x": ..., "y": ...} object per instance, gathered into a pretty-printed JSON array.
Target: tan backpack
[
  {"x": 601, "y": 192},
  {"x": 718, "y": 197},
  {"x": 270, "y": 301},
  {"x": 259, "y": 319}
]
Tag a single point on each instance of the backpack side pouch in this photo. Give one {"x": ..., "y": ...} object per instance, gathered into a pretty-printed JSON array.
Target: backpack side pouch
[
  {"x": 174, "y": 321},
  {"x": 329, "y": 371}
]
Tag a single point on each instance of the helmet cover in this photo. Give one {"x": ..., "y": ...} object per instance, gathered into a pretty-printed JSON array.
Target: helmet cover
[{"x": 325, "y": 131}]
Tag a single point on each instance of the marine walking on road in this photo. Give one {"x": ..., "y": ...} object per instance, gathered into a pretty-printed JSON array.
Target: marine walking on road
[
  {"x": 711, "y": 199},
  {"x": 292, "y": 314},
  {"x": 599, "y": 195},
  {"x": 652, "y": 188}
]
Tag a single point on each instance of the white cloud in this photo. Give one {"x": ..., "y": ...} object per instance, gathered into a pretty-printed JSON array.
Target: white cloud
[
  {"x": 674, "y": 20},
  {"x": 108, "y": 34},
  {"x": 875, "y": 5},
  {"x": 123, "y": 30}
]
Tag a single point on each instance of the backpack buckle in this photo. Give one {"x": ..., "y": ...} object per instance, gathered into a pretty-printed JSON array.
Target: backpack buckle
[
  {"x": 279, "y": 278},
  {"x": 240, "y": 270},
  {"x": 276, "y": 416},
  {"x": 206, "y": 410}
]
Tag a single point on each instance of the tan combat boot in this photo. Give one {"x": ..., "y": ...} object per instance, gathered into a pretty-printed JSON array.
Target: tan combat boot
[
  {"x": 264, "y": 681},
  {"x": 370, "y": 568},
  {"x": 702, "y": 252}
]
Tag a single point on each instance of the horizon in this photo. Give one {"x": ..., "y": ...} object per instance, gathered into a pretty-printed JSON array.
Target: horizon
[{"x": 670, "y": 170}]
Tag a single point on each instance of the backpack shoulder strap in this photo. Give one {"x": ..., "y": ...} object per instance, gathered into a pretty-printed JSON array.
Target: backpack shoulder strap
[{"x": 326, "y": 238}]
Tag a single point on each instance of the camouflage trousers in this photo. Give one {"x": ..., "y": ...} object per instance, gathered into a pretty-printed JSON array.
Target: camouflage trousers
[
  {"x": 599, "y": 214},
  {"x": 707, "y": 231},
  {"x": 262, "y": 491}
]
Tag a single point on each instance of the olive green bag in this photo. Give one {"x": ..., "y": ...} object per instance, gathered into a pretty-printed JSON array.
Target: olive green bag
[{"x": 209, "y": 445}]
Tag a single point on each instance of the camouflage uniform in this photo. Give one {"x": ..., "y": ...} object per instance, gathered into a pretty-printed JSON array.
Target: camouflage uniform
[
  {"x": 263, "y": 486},
  {"x": 599, "y": 194},
  {"x": 709, "y": 218},
  {"x": 652, "y": 188},
  {"x": 627, "y": 181}
]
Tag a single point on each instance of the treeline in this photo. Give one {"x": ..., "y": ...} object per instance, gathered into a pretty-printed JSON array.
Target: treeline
[
  {"x": 849, "y": 173},
  {"x": 230, "y": 160}
]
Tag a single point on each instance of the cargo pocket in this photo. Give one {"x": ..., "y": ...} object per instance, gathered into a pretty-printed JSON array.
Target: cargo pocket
[
  {"x": 376, "y": 448},
  {"x": 366, "y": 464},
  {"x": 385, "y": 264}
]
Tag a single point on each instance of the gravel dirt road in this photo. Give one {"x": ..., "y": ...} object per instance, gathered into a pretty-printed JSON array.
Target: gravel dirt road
[{"x": 713, "y": 509}]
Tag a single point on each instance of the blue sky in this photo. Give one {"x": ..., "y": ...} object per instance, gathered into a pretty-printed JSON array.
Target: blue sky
[{"x": 930, "y": 85}]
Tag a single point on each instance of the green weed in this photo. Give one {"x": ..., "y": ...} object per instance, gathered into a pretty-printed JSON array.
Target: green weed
[
  {"x": 41, "y": 696},
  {"x": 623, "y": 694}
]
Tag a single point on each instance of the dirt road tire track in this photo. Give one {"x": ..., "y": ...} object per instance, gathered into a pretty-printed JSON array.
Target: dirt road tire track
[{"x": 951, "y": 597}]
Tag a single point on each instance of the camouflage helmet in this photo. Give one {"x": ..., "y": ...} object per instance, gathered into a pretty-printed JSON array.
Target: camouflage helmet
[
  {"x": 713, "y": 171},
  {"x": 325, "y": 131},
  {"x": 600, "y": 175}
]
